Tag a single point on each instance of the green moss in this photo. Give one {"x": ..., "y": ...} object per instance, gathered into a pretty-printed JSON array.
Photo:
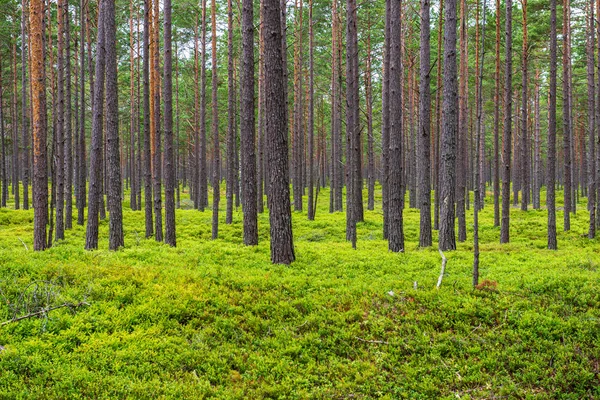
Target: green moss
[{"x": 216, "y": 319}]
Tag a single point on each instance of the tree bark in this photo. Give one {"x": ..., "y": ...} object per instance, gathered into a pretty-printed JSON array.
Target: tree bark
[
  {"x": 147, "y": 142},
  {"x": 551, "y": 175},
  {"x": 230, "y": 119},
  {"x": 423, "y": 170},
  {"x": 447, "y": 238},
  {"x": 169, "y": 156},
  {"x": 249, "y": 178},
  {"x": 507, "y": 139},
  {"x": 280, "y": 216},
  {"x": 525, "y": 113},
  {"x": 24, "y": 126},
  {"x": 567, "y": 131},
  {"x": 215, "y": 127},
  {"x": 591, "y": 154},
  {"x": 497, "y": 122},
  {"x": 311, "y": 115}
]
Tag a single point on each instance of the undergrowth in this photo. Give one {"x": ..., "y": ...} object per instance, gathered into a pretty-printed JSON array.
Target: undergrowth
[{"x": 216, "y": 319}]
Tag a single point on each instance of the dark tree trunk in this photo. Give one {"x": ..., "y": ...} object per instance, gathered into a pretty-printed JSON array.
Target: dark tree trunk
[
  {"x": 230, "y": 119},
  {"x": 591, "y": 157},
  {"x": 24, "y": 126},
  {"x": 16, "y": 159},
  {"x": 113, "y": 159},
  {"x": 81, "y": 175},
  {"x": 95, "y": 192},
  {"x": 551, "y": 175},
  {"x": 525, "y": 113},
  {"x": 132, "y": 116},
  {"x": 156, "y": 95},
  {"x": 463, "y": 93},
  {"x": 68, "y": 131},
  {"x": 447, "y": 238},
  {"x": 507, "y": 140},
  {"x": 280, "y": 215},
  {"x": 537, "y": 183},
  {"x": 169, "y": 157},
  {"x": 567, "y": 131},
  {"x": 497, "y": 122},
  {"x": 424, "y": 194},
  {"x": 311, "y": 115},
  {"x": 438, "y": 122},
  {"x": 394, "y": 179},
  {"x": 215, "y": 127},
  {"x": 147, "y": 142},
  {"x": 369, "y": 111},
  {"x": 60, "y": 124},
  {"x": 4, "y": 161},
  {"x": 202, "y": 169},
  {"x": 247, "y": 134}
]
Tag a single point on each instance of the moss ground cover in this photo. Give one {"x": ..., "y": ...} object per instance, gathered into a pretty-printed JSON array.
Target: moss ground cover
[{"x": 216, "y": 319}]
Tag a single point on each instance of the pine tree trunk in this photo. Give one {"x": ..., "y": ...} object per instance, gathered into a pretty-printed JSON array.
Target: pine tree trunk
[
  {"x": 24, "y": 126},
  {"x": 68, "y": 145},
  {"x": 438, "y": 122},
  {"x": 447, "y": 238},
  {"x": 395, "y": 224},
  {"x": 280, "y": 216},
  {"x": 81, "y": 150},
  {"x": 215, "y": 127},
  {"x": 311, "y": 117},
  {"x": 461, "y": 165},
  {"x": 4, "y": 161},
  {"x": 497, "y": 122},
  {"x": 156, "y": 126},
  {"x": 423, "y": 169},
  {"x": 230, "y": 119},
  {"x": 16, "y": 159},
  {"x": 132, "y": 117},
  {"x": 202, "y": 169},
  {"x": 591, "y": 154},
  {"x": 524, "y": 113},
  {"x": 95, "y": 191},
  {"x": 507, "y": 139},
  {"x": 147, "y": 132},
  {"x": 169, "y": 156},
  {"x": 551, "y": 176},
  {"x": 247, "y": 133},
  {"x": 567, "y": 127},
  {"x": 369, "y": 112}
]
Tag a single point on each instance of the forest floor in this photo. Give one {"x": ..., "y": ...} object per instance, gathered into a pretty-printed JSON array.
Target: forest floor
[{"x": 216, "y": 319}]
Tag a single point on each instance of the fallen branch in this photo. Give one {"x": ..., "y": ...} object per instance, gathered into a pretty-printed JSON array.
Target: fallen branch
[
  {"x": 443, "y": 271},
  {"x": 26, "y": 248},
  {"x": 45, "y": 311},
  {"x": 371, "y": 341}
]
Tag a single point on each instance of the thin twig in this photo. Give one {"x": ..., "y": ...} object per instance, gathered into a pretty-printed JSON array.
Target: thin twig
[
  {"x": 371, "y": 341},
  {"x": 45, "y": 311},
  {"x": 26, "y": 248}
]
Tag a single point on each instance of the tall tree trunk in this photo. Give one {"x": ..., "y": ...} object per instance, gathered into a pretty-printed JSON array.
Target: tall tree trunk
[
  {"x": 60, "y": 123},
  {"x": 447, "y": 238},
  {"x": 195, "y": 179},
  {"x": 156, "y": 95},
  {"x": 4, "y": 161},
  {"x": 395, "y": 224},
  {"x": 311, "y": 115},
  {"x": 202, "y": 169},
  {"x": 463, "y": 93},
  {"x": 24, "y": 126},
  {"x": 591, "y": 154},
  {"x": 298, "y": 124},
  {"x": 230, "y": 119},
  {"x": 524, "y": 113},
  {"x": 280, "y": 215},
  {"x": 68, "y": 131},
  {"x": 336, "y": 132},
  {"x": 169, "y": 156},
  {"x": 369, "y": 111},
  {"x": 537, "y": 145},
  {"x": 215, "y": 126},
  {"x": 438, "y": 122},
  {"x": 16, "y": 159},
  {"x": 247, "y": 133},
  {"x": 260, "y": 175},
  {"x": 95, "y": 192},
  {"x": 497, "y": 122},
  {"x": 81, "y": 151},
  {"x": 113, "y": 160},
  {"x": 423, "y": 169},
  {"x": 132, "y": 116},
  {"x": 551, "y": 175},
  {"x": 147, "y": 141},
  {"x": 567, "y": 131},
  {"x": 507, "y": 140}
]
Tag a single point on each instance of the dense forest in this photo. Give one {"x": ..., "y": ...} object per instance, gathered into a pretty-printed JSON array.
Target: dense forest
[{"x": 460, "y": 130}]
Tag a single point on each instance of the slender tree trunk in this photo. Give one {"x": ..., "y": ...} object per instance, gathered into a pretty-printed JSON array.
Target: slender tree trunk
[
  {"x": 369, "y": 111},
  {"x": 461, "y": 165},
  {"x": 438, "y": 124},
  {"x": 447, "y": 238},
  {"x": 147, "y": 142},
  {"x": 195, "y": 179},
  {"x": 423, "y": 169},
  {"x": 280, "y": 216},
  {"x": 538, "y": 145},
  {"x": 551, "y": 175},
  {"x": 95, "y": 192},
  {"x": 202, "y": 169},
  {"x": 60, "y": 123},
  {"x": 298, "y": 124},
  {"x": 311, "y": 116},
  {"x": 4, "y": 161},
  {"x": 24, "y": 126},
  {"x": 113, "y": 182},
  {"x": 81, "y": 175},
  {"x": 507, "y": 140},
  {"x": 230, "y": 119},
  {"x": 591, "y": 154},
  {"x": 68, "y": 131},
  {"x": 524, "y": 112},
  {"x": 156, "y": 96},
  {"x": 567, "y": 131},
  {"x": 247, "y": 133},
  {"x": 395, "y": 224},
  {"x": 260, "y": 178},
  {"x": 215, "y": 126},
  {"x": 132, "y": 117},
  {"x": 497, "y": 122},
  {"x": 169, "y": 156}
]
